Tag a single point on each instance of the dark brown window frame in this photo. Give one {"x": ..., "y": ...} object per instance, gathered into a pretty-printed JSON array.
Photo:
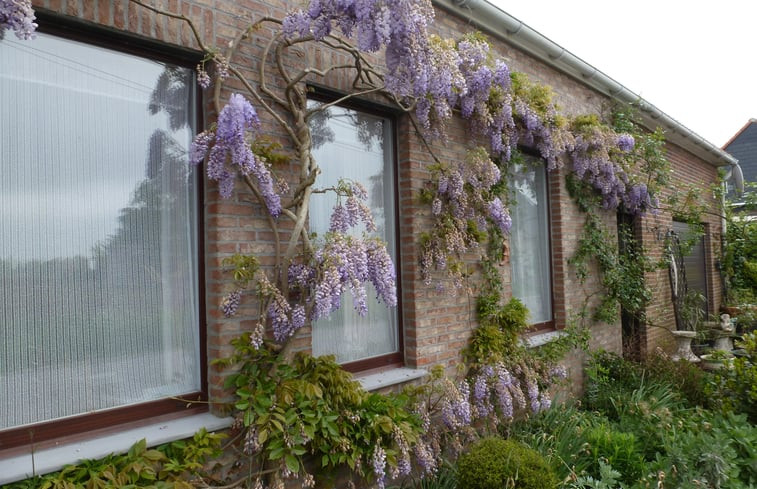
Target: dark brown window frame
[
  {"x": 395, "y": 359},
  {"x": 191, "y": 402}
]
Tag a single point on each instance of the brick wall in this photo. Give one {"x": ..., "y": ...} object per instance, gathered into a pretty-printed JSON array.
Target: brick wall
[
  {"x": 435, "y": 327},
  {"x": 688, "y": 170}
]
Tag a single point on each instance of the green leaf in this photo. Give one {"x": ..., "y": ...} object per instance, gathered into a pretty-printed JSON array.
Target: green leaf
[
  {"x": 262, "y": 436},
  {"x": 248, "y": 417},
  {"x": 292, "y": 463}
]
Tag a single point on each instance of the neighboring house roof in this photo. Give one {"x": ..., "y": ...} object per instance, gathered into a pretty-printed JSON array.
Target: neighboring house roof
[
  {"x": 743, "y": 146},
  {"x": 491, "y": 18}
]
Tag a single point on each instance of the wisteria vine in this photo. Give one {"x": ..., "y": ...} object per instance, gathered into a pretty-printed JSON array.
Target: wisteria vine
[
  {"x": 18, "y": 16},
  {"x": 434, "y": 80}
]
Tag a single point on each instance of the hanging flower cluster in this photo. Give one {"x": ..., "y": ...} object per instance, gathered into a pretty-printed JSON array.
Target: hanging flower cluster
[
  {"x": 399, "y": 26},
  {"x": 500, "y": 391},
  {"x": 491, "y": 396},
  {"x": 229, "y": 144},
  {"x": 463, "y": 202},
  {"x": 342, "y": 261},
  {"x": 603, "y": 159},
  {"x": 18, "y": 16}
]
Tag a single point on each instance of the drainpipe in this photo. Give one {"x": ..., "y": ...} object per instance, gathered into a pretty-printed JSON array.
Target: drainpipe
[{"x": 738, "y": 179}]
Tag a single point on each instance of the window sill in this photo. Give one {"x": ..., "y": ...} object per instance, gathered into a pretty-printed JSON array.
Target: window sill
[
  {"x": 540, "y": 339},
  {"x": 18, "y": 467},
  {"x": 387, "y": 378}
]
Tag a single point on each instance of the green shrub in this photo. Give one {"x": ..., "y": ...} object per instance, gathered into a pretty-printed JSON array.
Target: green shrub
[
  {"x": 558, "y": 434},
  {"x": 444, "y": 478},
  {"x": 618, "y": 449},
  {"x": 496, "y": 463},
  {"x": 736, "y": 387},
  {"x": 689, "y": 380}
]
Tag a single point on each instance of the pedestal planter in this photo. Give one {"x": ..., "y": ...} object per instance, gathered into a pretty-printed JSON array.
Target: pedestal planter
[
  {"x": 683, "y": 350},
  {"x": 712, "y": 361}
]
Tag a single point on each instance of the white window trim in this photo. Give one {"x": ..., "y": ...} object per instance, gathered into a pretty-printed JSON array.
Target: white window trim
[
  {"x": 44, "y": 461},
  {"x": 388, "y": 378}
]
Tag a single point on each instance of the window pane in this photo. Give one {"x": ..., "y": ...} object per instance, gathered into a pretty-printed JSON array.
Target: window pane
[
  {"x": 98, "y": 271},
  {"x": 529, "y": 242},
  {"x": 356, "y": 146}
]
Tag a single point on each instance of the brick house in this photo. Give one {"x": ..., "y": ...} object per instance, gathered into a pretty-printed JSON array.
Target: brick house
[{"x": 102, "y": 236}]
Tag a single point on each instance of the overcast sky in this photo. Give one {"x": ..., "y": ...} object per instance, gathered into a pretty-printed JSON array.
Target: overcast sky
[{"x": 694, "y": 60}]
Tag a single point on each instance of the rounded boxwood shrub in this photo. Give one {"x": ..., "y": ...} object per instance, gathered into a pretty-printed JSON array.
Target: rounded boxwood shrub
[{"x": 496, "y": 463}]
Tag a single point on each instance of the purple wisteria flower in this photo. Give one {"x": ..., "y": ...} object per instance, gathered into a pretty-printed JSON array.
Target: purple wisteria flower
[
  {"x": 399, "y": 26},
  {"x": 464, "y": 195},
  {"x": 378, "y": 464},
  {"x": 203, "y": 79},
  {"x": 480, "y": 395},
  {"x": 403, "y": 460},
  {"x": 596, "y": 161},
  {"x": 230, "y": 303},
  {"x": 346, "y": 261},
  {"x": 456, "y": 408},
  {"x": 425, "y": 457},
  {"x": 18, "y": 16},
  {"x": 625, "y": 142},
  {"x": 499, "y": 215},
  {"x": 236, "y": 119}
]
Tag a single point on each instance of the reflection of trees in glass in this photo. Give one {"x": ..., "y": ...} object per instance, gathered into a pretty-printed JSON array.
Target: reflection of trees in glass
[
  {"x": 370, "y": 129},
  {"x": 170, "y": 95},
  {"x": 66, "y": 307}
]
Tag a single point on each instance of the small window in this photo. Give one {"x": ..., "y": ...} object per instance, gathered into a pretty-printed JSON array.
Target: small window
[
  {"x": 99, "y": 293},
  {"x": 530, "y": 251},
  {"x": 359, "y": 146}
]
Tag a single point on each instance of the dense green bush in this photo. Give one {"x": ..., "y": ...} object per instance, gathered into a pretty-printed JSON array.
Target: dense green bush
[
  {"x": 736, "y": 387},
  {"x": 609, "y": 374},
  {"x": 687, "y": 378},
  {"x": 619, "y": 449},
  {"x": 641, "y": 431},
  {"x": 496, "y": 463}
]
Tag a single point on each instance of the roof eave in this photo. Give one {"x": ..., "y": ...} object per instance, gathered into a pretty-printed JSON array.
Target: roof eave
[{"x": 502, "y": 25}]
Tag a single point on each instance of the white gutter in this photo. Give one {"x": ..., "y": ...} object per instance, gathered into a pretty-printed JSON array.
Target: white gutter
[{"x": 497, "y": 23}]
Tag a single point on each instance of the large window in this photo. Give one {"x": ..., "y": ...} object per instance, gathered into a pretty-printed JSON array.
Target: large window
[
  {"x": 98, "y": 242},
  {"x": 530, "y": 242},
  {"x": 358, "y": 146}
]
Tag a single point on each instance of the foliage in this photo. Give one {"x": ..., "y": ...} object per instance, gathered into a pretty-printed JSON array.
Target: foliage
[
  {"x": 311, "y": 406},
  {"x": 495, "y": 463},
  {"x": 636, "y": 420},
  {"x": 496, "y": 337},
  {"x": 687, "y": 379},
  {"x": 620, "y": 450},
  {"x": 609, "y": 478},
  {"x": 622, "y": 272},
  {"x": 740, "y": 250},
  {"x": 735, "y": 388},
  {"x": 692, "y": 310},
  {"x": 445, "y": 477},
  {"x": 168, "y": 466}
]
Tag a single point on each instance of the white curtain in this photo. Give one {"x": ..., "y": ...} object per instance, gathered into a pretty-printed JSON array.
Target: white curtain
[
  {"x": 356, "y": 146},
  {"x": 529, "y": 242},
  {"x": 98, "y": 260}
]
